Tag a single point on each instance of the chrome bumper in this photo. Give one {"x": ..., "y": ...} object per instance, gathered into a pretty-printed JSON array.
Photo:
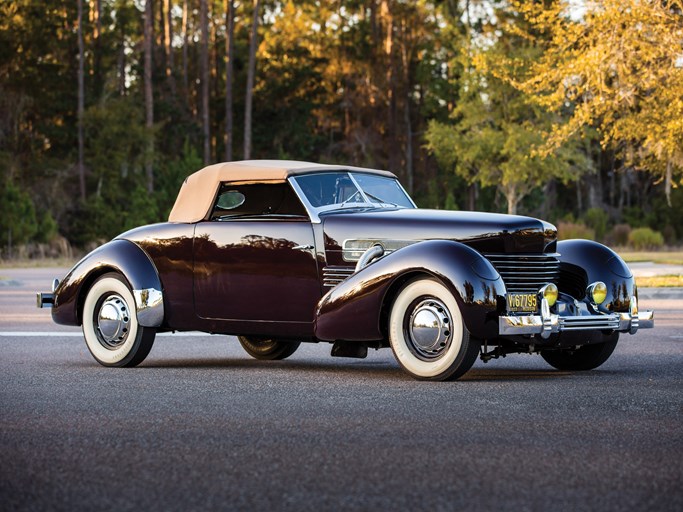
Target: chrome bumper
[
  {"x": 548, "y": 323},
  {"x": 44, "y": 300},
  {"x": 47, "y": 300}
]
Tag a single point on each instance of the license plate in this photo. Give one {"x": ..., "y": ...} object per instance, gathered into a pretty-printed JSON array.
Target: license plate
[{"x": 522, "y": 302}]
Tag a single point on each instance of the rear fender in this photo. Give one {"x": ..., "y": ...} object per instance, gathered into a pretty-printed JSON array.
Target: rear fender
[
  {"x": 125, "y": 258},
  {"x": 357, "y": 308}
]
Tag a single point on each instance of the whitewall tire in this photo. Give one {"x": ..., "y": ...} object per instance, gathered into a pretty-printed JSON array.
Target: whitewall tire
[
  {"x": 427, "y": 332},
  {"x": 110, "y": 324}
]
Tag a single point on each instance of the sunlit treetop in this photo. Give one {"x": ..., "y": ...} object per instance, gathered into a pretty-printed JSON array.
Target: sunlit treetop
[{"x": 615, "y": 65}]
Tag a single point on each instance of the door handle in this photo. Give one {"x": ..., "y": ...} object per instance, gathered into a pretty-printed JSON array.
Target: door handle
[{"x": 302, "y": 247}]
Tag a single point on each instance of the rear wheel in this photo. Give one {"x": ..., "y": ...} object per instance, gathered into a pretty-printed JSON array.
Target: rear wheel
[
  {"x": 427, "y": 332},
  {"x": 110, "y": 324},
  {"x": 267, "y": 348},
  {"x": 586, "y": 357}
]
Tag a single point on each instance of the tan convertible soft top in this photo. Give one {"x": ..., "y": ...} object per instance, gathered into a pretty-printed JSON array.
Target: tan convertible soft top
[{"x": 198, "y": 191}]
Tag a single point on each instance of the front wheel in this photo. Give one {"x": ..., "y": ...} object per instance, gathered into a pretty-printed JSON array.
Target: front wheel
[
  {"x": 427, "y": 332},
  {"x": 110, "y": 324},
  {"x": 268, "y": 349},
  {"x": 583, "y": 358}
]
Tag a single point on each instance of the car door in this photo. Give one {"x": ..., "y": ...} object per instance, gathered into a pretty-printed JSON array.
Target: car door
[{"x": 254, "y": 259}]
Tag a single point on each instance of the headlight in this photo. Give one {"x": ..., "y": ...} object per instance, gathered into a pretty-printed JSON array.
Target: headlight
[
  {"x": 597, "y": 292},
  {"x": 549, "y": 292}
]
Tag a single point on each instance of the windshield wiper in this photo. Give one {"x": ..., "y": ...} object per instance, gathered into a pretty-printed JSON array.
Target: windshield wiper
[
  {"x": 372, "y": 196},
  {"x": 350, "y": 197}
]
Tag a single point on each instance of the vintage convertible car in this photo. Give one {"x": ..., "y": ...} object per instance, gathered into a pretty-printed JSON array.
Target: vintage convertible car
[{"x": 281, "y": 252}]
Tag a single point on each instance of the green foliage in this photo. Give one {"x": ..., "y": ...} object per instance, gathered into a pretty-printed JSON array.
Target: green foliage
[
  {"x": 46, "y": 228},
  {"x": 495, "y": 130},
  {"x": 420, "y": 88},
  {"x": 596, "y": 219},
  {"x": 450, "y": 203},
  {"x": 645, "y": 238},
  {"x": 171, "y": 175},
  {"x": 571, "y": 230},
  {"x": 18, "y": 217}
]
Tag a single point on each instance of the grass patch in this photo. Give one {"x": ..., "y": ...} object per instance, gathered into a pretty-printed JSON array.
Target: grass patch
[
  {"x": 664, "y": 257},
  {"x": 38, "y": 263},
  {"x": 673, "y": 281}
]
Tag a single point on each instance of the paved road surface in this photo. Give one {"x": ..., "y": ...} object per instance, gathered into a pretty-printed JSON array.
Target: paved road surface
[{"x": 201, "y": 426}]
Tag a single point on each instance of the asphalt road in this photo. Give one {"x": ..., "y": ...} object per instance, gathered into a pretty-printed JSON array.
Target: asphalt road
[{"x": 202, "y": 426}]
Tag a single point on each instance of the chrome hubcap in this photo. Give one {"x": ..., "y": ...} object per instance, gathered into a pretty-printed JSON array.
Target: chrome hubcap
[
  {"x": 113, "y": 322},
  {"x": 429, "y": 328}
]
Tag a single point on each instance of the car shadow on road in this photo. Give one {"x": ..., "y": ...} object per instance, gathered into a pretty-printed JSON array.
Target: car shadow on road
[{"x": 380, "y": 370}]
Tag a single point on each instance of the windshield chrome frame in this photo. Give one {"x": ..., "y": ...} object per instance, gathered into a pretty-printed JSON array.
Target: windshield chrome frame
[{"x": 314, "y": 213}]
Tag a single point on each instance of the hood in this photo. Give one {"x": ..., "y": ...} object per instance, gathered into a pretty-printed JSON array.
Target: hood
[{"x": 484, "y": 232}]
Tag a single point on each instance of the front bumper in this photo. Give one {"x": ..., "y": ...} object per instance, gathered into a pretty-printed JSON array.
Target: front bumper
[{"x": 548, "y": 323}]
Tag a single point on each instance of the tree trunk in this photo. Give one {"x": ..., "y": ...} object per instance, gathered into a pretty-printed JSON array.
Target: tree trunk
[
  {"x": 121, "y": 64},
  {"x": 97, "y": 52},
  {"x": 472, "y": 197},
  {"x": 81, "y": 100},
  {"x": 168, "y": 45},
  {"x": 204, "y": 65},
  {"x": 409, "y": 145},
  {"x": 253, "y": 43},
  {"x": 579, "y": 198},
  {"x": 185, "y": 43},
  {"x": 229, "y": 52},
  {"x": 667, "y": 181},
  {"x": 149, "y": 98},
  {"x": 512, "y": 199}
]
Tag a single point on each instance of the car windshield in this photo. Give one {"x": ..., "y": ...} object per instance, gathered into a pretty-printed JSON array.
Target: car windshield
[{"x": 332, "y": 190}]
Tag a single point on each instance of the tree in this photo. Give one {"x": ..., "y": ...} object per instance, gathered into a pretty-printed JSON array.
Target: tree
[
  {"x": 229, "y": 69},
  {"x": 495, "y": 130},
  {"x": 81, "y": 100},
  {"x": 204, "y": 69},
  {"x": 149, "y": 97},
  {"x": 251, "y": 71},
  {"x": 168, "y": 45},
  {"x": 619, "y": 69}
]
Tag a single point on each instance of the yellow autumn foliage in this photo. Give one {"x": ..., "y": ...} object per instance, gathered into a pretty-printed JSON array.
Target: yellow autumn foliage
[{"x": 613, "y": 65}]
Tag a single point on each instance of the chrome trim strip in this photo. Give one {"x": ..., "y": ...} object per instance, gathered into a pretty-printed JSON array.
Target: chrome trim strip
[
  {"x": 332, "y": 276},
  {"x": 149, "y": 304},
  {"x": 512, "y": 256},
  {"x": 354, "y": 248}
]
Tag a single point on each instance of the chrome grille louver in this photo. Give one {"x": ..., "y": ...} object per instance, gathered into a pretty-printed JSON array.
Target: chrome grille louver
[
  {"x": 332, "y": 276},
  {"x": 526, "y": 272},
  {"x": 579, "y": 323}
]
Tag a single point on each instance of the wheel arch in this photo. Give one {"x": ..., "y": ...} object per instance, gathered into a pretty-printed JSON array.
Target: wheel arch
[
  {"x": 124, "y": 258},
  {"x": 583, "y": 262},
  {"x": 357, "y": 308}
]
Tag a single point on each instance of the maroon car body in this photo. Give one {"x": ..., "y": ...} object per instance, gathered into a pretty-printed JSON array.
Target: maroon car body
[{"x": 280, "y": 253}]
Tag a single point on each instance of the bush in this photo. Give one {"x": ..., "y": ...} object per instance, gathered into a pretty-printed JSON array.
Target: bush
[
  {"x": 645, "y": 238},
  {"x": 596, "y": 219},
  {"x": 620, "y": 234},
  {"x": 570, "y": 230}
]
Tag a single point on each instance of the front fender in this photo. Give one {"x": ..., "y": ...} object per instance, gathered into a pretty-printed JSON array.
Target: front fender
[
  {"x": 583, "y": 262},
  {"x": 125, "y": 258},
  {"x": 356, "y": 309}
]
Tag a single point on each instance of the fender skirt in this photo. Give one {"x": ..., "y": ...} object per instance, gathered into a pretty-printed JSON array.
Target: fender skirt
[
  {"x": 120, "y": 256},
  {"x": 357, "y": 309}
]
